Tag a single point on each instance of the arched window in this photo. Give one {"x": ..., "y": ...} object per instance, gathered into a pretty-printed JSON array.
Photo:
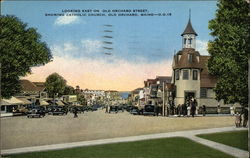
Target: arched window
[{"x": 190, "y": 41}]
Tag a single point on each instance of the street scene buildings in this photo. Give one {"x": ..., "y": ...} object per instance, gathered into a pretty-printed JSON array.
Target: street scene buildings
[
  {"x": 102, "y": 79},
  {"x": 190, "y": 80}
]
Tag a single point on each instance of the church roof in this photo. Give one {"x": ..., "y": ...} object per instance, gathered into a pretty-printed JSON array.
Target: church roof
[
  {"x": 189, "y": 29},
  {"x": 184, "y": 62},
  {"x": 207, "y": 80}
]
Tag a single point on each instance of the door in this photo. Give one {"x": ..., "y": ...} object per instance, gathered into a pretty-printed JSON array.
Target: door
[{"x": 189, "y": 95}]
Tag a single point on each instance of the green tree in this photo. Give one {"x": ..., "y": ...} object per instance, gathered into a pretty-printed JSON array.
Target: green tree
[
  {"x": 229, "y": 50},
  {"x": 81, "y": 99},
  {"x": 21, "y": 48},
  {"x": 55, "y": 85},
  {"x": 69, "y": 90}
]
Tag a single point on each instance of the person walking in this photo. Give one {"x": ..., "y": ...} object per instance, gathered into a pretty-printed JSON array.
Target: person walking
[
  {"x": 75, "y": 112},
  {"x": 218, "y": 109},
  {"x": 237, "y": 120},
  {"x": 193, "y": 108},
  {"x": 203, "y": 110},
  {"x": 245, "y": 117}
]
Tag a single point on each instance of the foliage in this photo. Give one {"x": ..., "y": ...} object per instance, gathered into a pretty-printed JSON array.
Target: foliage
[
  {"x": 21, "y": 48},
  {"x": 81, "y": 99},
  {"x": 229, "y": 50},
  {"x": 158, "y": 148},
  {"x": 238, "y": 139},
  {"x": 55, "y": 85},
  {"x": 69, "y": 90}
]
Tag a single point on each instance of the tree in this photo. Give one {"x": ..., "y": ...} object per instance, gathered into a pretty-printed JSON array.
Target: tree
[
  {"x": 55, "y": 85},
  {"x": 21, "y": 48},
  {"x": 229, "y": 50},
  {"x": 81, "y": 99},
  {"x": 69, "y": 90}
]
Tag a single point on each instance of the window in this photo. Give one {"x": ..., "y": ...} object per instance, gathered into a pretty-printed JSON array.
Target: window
[
  {"x": 190, "y": 58},
  {"x": 185, "y": 40},
  {"x": 185, "y": 74},
  {"x": 190, "y": 41},
  {"x": 195, "y": 74},
  {"x": 203, "y": 92},
  {"x": 2, "y": 108},
  {"x": 177, "y": 74}
]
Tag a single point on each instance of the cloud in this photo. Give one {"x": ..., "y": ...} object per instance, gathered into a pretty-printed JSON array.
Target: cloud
[
  {"x": 66, "y": 49},
  {"x": 201, "y": 46},
  {"x": 65, "y": 20},
  {"x": 91, "y": 46},
  {"x": 101, "y": 74}
]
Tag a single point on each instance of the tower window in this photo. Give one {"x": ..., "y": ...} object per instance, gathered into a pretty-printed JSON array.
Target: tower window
[
  {"x": 177, "y": 74},
  {"x": 195, "y": 74},
  {"x": 185, "y": 74},
  {"x": 190, "y": 41},
  {"x": 190, "y": 58},
  {"x": 185, "y": 40}
]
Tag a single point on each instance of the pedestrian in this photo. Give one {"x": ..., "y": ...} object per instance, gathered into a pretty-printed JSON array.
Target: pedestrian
[
  {"x": 218, "y": 109},
  {"x": 184, "y": 109},
  {"x": 179, "y": 110},
  {"x": 237, "y": 120},
  {"x": 203, "y": 110},
  {"x": 193, "y": 107},
  {"x": 75, "y": 112},
  {"x": 245, "y": 117}
]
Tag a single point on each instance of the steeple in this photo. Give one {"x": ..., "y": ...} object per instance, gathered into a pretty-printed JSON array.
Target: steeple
[
  {"x": 189, "y": 35},
  {"x": 189, "y": 28}
]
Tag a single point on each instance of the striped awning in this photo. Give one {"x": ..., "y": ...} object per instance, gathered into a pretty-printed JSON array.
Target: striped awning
[
  {"x": 60, "y": 103},
  {"x": 25, "y": 101},
  {"x": 43, "y": 103},
  {"x": 11, "y": 101}
]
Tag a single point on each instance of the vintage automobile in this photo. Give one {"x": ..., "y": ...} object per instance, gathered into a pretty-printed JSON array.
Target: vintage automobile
[
  {"x": 58, "y": 110},
  {"x": 36, "y": 112},
  {"x": 149, "y": 110},
  {"x": 120, "y": 108},
  {"x": 136, "y": 111},
  {"x": 113, "y": 109}
]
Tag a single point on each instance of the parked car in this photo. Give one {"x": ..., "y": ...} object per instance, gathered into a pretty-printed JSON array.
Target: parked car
[
  {"x": 136, "y": 111},
  {"x": 149, "y": 110},
  {"x": 129, "y": 108},
  {"x": 58, "y": 110},
  {"x": 113, "y": 109},
  {"x": 120, "y": 108},
  {"x": 36, "y": 112}
]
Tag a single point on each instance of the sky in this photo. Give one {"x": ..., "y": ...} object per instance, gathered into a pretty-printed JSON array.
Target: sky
[{"x": 142, "y": 46}]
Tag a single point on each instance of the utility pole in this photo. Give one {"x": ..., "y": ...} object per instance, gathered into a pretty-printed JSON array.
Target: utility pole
[{"x": 163, "y": 99}]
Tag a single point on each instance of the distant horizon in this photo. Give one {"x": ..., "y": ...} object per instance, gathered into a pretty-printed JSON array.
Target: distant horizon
[{"x": 112, "y": 52}]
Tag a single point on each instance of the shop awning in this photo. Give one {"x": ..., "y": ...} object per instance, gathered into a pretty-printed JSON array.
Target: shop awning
[
  {"x": 60, "y": 103},
  {"x": 25, "y": 101},
  {"x": 11, "y": 101},
  {"x": 43, "y": 103}
]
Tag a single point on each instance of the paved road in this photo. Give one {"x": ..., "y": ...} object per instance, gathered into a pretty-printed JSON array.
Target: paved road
[{"x": 17, "y": 132}]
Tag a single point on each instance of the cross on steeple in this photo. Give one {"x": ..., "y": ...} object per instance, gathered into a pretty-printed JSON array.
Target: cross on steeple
[
  {"x": 189, "y": 14},
  {"x": 189, "y": 35}
]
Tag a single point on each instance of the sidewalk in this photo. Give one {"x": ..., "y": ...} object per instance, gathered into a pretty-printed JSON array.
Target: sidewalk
[
  {"x": 6, "y": 114},
  {"x": 188, "y": 134}
]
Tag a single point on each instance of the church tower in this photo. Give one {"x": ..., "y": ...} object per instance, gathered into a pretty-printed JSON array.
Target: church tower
[
  {"x": 189, "y": 35},
  {"x": 187, "y": 67}
]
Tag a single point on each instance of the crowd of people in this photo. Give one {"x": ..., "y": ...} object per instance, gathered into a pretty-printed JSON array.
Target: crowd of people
[
  {"x": 241, "y": 119},
  {"x": 186, "y": 109}
]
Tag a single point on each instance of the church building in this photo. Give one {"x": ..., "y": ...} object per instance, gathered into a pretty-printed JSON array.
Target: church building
[{"x": 190, "y": 73}]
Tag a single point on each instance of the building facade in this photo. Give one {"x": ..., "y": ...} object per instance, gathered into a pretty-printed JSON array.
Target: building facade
[{"x": 190, "y": 76}]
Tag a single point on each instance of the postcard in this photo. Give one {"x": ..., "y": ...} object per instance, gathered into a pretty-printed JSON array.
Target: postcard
[{"x": 121, "y": 79}]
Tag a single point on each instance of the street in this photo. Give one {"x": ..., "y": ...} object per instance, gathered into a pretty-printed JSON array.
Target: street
[{"x": 25, "y": 132}]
